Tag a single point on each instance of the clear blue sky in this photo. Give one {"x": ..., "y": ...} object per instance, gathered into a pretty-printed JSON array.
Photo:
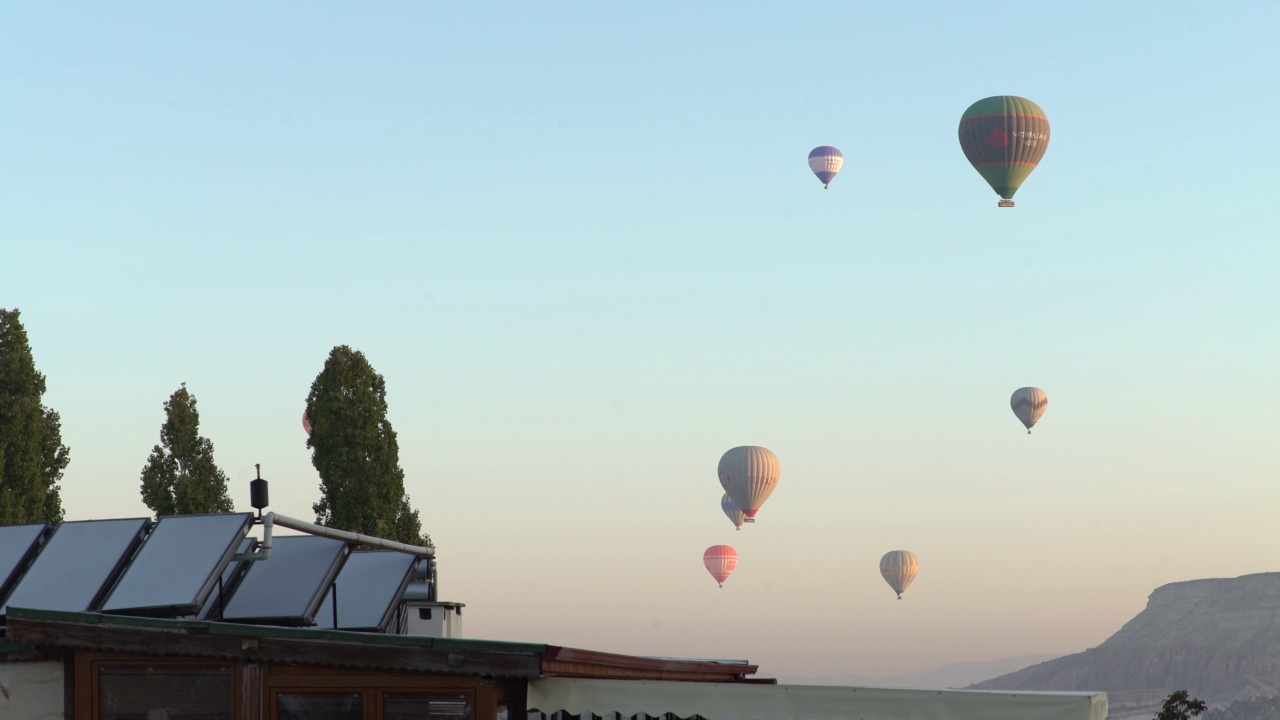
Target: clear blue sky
[{"x": 582, "y": 244}]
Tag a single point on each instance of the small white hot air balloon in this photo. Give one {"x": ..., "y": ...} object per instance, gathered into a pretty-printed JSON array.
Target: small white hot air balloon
[
  {"x": 733, "y": 512},
  {"x": 720, "y": 561},
  {"x": 899, "y": 568},
  {"x": 749, "y": 474},
  {"x": 306, "y": 422},
  {"x": 1029, "y": 404}
]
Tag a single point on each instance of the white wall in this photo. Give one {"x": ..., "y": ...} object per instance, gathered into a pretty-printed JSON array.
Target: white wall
[{"x": 31, "y": 691}]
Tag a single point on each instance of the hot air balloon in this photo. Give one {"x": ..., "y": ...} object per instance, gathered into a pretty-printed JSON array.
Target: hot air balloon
[
  {"x": 749, "y": 474},
  {"x": 720, "y": 561},
  {"x": 1029, "y": 404},
  {"x": 825, "y": 162},
  {"x": 1004, "y": 137},
  {"x": 306, "y": 423},
  {"x": 733, "y": 512},
  {"x": 899, "y": 568}
]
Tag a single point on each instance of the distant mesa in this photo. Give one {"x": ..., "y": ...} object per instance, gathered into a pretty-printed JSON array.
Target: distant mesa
[{"x": 1219, "y": 639}]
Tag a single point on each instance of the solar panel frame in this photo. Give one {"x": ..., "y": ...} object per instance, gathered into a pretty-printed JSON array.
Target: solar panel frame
[
  {"x": 230, "y": 579},
  {"x": 308, "y": 561},
  {"x": 18, "y": 545},
  {"x": 61, "y": 559},
  {"x": 175, "y": 558},
  {"x": 368, "y": 573}
]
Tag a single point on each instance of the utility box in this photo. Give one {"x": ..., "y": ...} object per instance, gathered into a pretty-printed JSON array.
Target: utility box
[
  {"x": 432, "y": 619},
  {"x": 422, "y": 614}
]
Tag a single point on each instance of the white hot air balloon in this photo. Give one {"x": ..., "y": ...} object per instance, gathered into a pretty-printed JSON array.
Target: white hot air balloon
[
  {"x": 749, "y": 474},
  {"x": 1029, "y": 404},
  {"x": 733, "y": 512},
  {"x": 720, "y": 560},
  {"x": 899, "y": 568},
  {"x": 306, "y": 422}
]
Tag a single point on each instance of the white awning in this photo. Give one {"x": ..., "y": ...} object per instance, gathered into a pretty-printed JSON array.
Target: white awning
[{"x": 744, "y": 701}]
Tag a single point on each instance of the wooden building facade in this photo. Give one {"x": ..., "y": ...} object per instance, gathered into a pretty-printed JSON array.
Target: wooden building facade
[{"x": 127, "y": 668}]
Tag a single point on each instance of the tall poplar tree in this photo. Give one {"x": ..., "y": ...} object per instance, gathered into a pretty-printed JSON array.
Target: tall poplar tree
[
  {"x": 32, "y": 456},
  {"x": 355, "y": 451},
  {"x": 180, "y": 477}
]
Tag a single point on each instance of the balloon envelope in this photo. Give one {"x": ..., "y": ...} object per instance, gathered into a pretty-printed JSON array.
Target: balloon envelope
[
  {"x": 720, "y": 561},
  {"x": 1004, "y": 138},
  {"x": 733, "y": 512},
  {"x": 749, "y": 474},
  {"x": 306, "y": 423},
  {"x": 899, "y": 568},
  {"x": 1029, "y": 403},
  {"x": 825, "y": 162}
]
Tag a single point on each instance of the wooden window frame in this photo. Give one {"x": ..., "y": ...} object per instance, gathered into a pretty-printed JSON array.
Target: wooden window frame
[
  {"x": 87, "y": 664},
  {"x": 483, "y": 694}
]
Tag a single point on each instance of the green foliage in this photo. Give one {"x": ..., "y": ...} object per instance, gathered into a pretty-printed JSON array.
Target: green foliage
[
  {"x": 1254, "y": 708},
  {"x": 355, "y": 451},
  {"x": 180, "y": 477},
  {"x": 32, "y": 456},
  {"x": 1179, "y": 707}
]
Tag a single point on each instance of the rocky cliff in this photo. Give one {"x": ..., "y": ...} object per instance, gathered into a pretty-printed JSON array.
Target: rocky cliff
[{"x": 1218, "y": 639}]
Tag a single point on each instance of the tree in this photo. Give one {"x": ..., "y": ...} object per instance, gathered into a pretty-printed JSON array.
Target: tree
[
  {"x": 1178, "y": 707},
  {"x": 180, "y": 477},
  {"x": 355, "y": 451},
  {"x": 32, "y": 456}
]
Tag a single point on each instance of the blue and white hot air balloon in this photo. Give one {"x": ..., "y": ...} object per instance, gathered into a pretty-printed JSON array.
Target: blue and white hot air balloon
[
  {"x": 825, "y": 162},
  {"x": 733, "y": 512}
]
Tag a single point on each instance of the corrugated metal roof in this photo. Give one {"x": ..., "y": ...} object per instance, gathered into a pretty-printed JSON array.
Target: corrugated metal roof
[
  {"x": 336, "y": 648},
  {"x": 207, "y": 627}
]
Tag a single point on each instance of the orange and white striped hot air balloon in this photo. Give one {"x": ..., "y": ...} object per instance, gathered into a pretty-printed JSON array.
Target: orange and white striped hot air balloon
[
  {"x": 749, "y": 474},
  {"x": 720, "y": 561},
  {"x": 899, "y": 568}
]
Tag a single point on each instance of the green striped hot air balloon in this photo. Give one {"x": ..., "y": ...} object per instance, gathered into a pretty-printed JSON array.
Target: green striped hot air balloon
[{"x": 1004, "y": 137}]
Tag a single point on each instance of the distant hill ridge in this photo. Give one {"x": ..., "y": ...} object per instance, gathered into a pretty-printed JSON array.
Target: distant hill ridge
[{"x": 1217, "y": 638}]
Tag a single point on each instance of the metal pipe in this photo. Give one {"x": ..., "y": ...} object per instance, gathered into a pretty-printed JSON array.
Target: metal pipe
[
  {"x": 352, "y": 537},
  {"x": 264, "y": 552}
]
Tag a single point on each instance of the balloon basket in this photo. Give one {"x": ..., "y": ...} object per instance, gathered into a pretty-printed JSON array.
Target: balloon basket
[{"x": 1005, "y": 203}]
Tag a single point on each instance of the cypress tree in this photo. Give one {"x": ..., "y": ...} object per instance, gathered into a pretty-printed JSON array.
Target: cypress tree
[
  {"x": 32, "y": 456},
  {"x": 354, "y": 449},
  {"x": 180, "y": 477}
]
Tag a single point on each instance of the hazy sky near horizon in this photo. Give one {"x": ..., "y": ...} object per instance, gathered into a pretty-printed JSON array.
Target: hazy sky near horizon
[{"x": 581, "y": 243}]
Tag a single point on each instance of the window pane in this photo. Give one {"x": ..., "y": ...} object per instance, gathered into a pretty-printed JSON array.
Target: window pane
[
  {"x": 160, "y": 693},
  {"x": 405, "y": 706},
  {"x": 313, "y": 706}
]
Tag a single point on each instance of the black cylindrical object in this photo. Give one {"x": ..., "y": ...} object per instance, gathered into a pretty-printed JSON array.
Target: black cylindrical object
[{"x": 258, "y": 493}]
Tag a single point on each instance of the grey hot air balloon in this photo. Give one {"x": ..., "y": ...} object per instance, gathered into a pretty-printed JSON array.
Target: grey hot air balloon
[
  {"x": 1029, "y": 404},
  {"x": 749, "y": 474},
  {"x": 899, "y": 568}
]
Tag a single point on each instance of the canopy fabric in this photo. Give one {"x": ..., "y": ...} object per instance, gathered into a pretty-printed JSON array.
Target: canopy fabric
[{"x": 746, "y": 701}]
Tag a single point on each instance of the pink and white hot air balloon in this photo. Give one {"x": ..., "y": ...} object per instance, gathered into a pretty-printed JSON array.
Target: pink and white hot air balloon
[
  {"x": 306, "y": 423},
  {"x": 749, "y": 474},
  {"x": 720, "y": 561}
]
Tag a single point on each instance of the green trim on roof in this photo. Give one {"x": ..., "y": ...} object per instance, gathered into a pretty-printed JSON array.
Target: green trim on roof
[{"x": 271, "y": 631}]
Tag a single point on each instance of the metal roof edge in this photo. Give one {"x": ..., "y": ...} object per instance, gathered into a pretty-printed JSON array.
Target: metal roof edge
[{"x": 275, "y": 631}]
